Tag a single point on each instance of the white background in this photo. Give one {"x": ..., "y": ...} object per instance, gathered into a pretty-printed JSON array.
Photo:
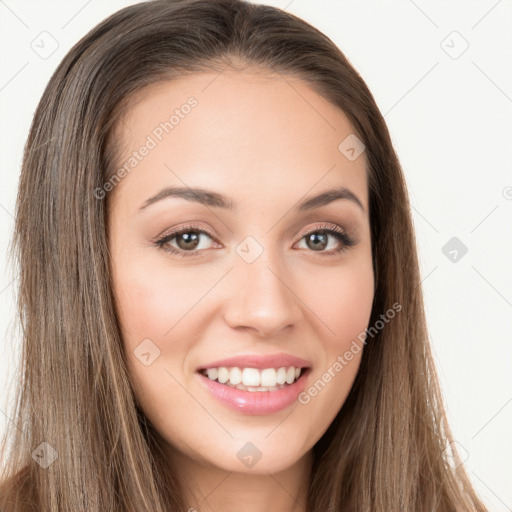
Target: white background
[{"x": 449, "y": 114}]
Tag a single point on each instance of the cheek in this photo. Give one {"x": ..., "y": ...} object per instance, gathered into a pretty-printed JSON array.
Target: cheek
[
  {"x": 150, "y": 300},
  {"x": 343, "y": 303},
  {"x": 158, "y": 304}
]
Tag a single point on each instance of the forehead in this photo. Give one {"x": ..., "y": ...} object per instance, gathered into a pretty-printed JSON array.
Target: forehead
[{"x": 250, "y": 131}]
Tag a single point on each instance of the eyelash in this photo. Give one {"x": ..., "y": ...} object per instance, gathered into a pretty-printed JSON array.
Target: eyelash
[{"x": 331, "y": 229}]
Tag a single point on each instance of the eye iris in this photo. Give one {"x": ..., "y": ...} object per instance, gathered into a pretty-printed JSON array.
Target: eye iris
[
  {"x": 191, "y": 240},
  {"x": 314, "y": 237}
]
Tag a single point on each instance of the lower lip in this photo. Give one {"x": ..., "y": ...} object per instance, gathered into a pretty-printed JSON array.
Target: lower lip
[{"x": 256, "y": 402}]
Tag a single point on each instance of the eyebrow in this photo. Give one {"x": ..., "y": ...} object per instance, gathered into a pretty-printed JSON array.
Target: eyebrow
[{"x": 216, "y": 200}]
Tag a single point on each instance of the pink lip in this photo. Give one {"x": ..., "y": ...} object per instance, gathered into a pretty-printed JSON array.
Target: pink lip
[
  {"x": 259, "y": 361},
  {"x": 257, "y": 402}
]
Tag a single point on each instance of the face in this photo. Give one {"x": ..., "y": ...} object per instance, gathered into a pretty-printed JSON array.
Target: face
[{"x": 261, "y": 274}]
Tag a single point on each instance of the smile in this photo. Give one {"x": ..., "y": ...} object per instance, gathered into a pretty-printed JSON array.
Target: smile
[
  {"x": 254, "y": 379},
  {"x": 268, "y": 393}
]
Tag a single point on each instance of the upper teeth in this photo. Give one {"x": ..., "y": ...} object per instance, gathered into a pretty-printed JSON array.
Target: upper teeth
[{"x": 254, "y": 377}]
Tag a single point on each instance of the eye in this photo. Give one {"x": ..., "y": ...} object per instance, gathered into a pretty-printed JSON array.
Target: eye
[
  {"x": 318, "y": 239},
  {"x": 188, "y": 240}
]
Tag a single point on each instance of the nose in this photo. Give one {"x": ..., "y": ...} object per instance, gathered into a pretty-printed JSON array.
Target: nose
[{"x": 261, "y": 297}]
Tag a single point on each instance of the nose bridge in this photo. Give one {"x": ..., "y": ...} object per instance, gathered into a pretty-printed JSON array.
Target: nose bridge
[{"x": 260, "y": 292}]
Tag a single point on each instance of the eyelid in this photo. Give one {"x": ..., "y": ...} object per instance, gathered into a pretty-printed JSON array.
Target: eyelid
[
  {"x": 185, "y": 228},
  {"x": 324, "y": 226},
  {"x": 180, "y": 229},
  {"x": 346, "y": 240}
]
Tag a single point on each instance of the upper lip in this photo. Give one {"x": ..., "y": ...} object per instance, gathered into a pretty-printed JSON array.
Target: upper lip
[{"x": 259, "y": 361}]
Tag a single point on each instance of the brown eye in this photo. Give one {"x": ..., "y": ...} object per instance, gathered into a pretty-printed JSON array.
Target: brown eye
[
  {"x": 318, "y": 240},
  {"x": 186, "y": 242}
]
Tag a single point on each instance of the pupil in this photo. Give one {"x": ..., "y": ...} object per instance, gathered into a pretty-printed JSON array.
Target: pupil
[
  {"x": 314, "y": 238},
  {"x": 191, "y": 240}
]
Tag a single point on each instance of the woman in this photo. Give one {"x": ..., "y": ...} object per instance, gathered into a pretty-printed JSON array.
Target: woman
[{"x": 165, "y": 374}]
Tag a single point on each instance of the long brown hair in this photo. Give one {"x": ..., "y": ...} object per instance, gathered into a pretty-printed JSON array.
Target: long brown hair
[{"x": 385, "y": 449}]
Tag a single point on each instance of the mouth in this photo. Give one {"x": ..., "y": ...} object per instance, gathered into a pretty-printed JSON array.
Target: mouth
[
  {"x": 256, "y": 380},
  {"x": 255, "y": 383},
  {"x": 255, "y": 391}
]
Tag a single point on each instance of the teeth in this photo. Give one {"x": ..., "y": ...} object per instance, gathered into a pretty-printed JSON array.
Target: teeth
[
  {"x": 260, "y": 388},
  {"x": 269, "y": 377},
  {"x": 252, "y": 379},
  {"x": 281, "y": 375},
  {"x": 235, "y": 376},
  {"x": 212, "y": 373},
  {"x": 223, "y": 375}
]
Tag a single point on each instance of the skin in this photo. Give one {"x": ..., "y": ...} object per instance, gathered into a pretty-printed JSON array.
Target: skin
[{"x": 266, "y": 143}]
